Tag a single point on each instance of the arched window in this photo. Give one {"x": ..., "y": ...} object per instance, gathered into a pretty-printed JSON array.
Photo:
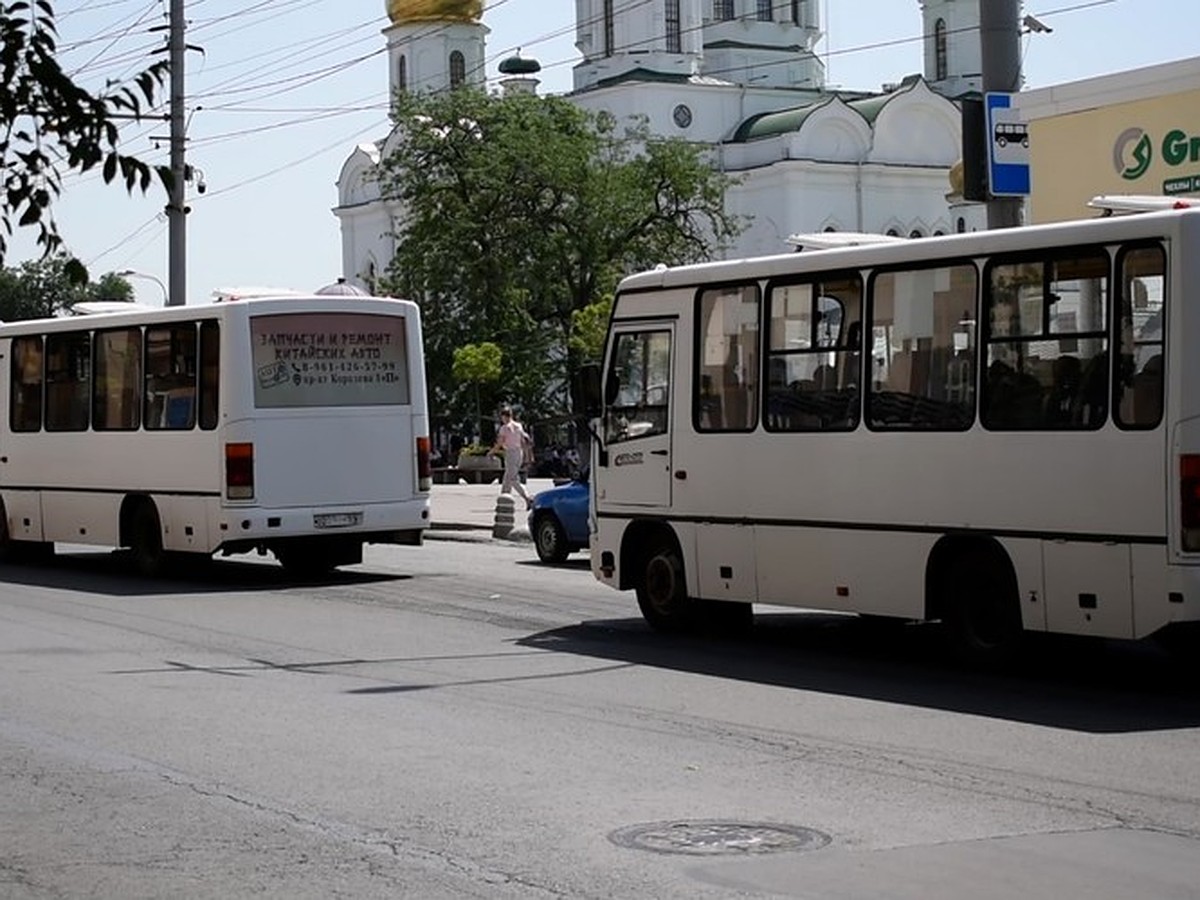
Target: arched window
[
  {"x": 765, "y": 11},
  {"x": 402, "y": 75},
  {"x": 458, "y": 69},
  {"x": 723, "y": 10},
  {"x": 609, "y": 38},
  {"x": 674, "y": 40},
  {"x": 942, "y": 69}
]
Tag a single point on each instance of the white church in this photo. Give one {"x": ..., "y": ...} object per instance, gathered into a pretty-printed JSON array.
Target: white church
[{"x": 738, "y": 76}]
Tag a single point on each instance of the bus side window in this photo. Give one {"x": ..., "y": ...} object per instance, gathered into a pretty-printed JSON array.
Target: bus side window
[
  {"x": 25, "y": 400},
  {"x": 727, "y": 363},
  {"x": 210, "y": 370},
  {"x": 116, "y": 389},
  {"x": 923, "y": 341},
  {"x": 171, "y": 377},
  {"x": 1047, "y": 341},
  {"x": 814, "y": 344},
  {"x": 68, "y": 381},
  {"x": 1140, "y": 374}
]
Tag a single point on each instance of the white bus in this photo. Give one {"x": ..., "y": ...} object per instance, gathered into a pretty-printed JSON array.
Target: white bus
[
  {"x": 999, "y": 430},
  {"x": 292, "y": 424}
]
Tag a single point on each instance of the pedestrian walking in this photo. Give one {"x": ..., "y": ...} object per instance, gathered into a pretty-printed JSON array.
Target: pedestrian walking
[{"x": 514, "y": 443}]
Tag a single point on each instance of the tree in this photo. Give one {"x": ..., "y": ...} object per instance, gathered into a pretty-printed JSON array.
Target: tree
[
  {"x": 520, "y": 212},
  {"x": 49, "y": 124},
  {"x": 44, "y": 287},
  {"x": 476, "y": 365}
]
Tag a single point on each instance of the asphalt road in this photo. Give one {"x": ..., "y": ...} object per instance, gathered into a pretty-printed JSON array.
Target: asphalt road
[{"x": 457, "y": 720}]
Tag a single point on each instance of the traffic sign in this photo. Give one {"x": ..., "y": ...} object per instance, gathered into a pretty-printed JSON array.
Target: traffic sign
[{"x": 1008, "y": 147}]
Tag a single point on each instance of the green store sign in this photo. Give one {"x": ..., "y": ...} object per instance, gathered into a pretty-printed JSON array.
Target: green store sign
[{"x": 1135, "y": 151}]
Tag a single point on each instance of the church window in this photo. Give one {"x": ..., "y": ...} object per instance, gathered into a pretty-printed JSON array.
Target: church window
[
  {"x": 796, "y": 19},
  {"x": 609, "y": 38},
  {"x": 723, "y": 10},
  {"x": 765, "y": 11},
  {"x": 402, "y": 75},
  {"x": 941, "y": 67},
  {"x": 674, "y": 41},
  {"x": 458, "y": 69}
]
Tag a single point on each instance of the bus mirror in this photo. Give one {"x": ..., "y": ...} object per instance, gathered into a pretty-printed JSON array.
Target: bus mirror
[{"x": 587, "y": 390}]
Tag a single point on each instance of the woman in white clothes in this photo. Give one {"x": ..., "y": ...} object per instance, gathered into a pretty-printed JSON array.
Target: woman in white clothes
[{"x": 512, "y": 440}]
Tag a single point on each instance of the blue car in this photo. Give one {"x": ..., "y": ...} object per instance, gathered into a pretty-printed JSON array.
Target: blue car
[{"x": 558, "y": 520}]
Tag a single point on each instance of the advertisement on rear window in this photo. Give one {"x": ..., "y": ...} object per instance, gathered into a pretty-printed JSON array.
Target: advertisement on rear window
[{"x": 329, "y": 359}]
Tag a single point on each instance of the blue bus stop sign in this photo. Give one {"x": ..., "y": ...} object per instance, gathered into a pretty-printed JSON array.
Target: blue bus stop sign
[{"x": 1008, "y": 147}]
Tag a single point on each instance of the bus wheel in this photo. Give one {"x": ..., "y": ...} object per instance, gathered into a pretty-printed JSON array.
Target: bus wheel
[
  {"x": 662, "y": 591},
  {"x": 146, "y": 540},
  {"x": 981, "y": 611}
]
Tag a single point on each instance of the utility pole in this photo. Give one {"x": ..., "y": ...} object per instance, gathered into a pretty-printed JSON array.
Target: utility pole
[
  {"x": 1000, "y": 37},
  {"x": 176, "y": 209}
]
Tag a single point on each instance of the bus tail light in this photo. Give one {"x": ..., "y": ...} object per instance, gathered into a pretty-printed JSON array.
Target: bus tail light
[
  {"x": 1189, "y": 501},
  {"x": 424, "y": 466},
  {"x": 239, "y": 471}
]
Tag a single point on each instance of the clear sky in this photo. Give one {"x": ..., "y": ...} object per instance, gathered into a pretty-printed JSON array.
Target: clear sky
[{"x": 284, "y": 89}]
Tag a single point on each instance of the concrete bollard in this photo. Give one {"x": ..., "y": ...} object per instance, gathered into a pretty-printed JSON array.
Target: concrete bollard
[{"x": 505, "y": 516}]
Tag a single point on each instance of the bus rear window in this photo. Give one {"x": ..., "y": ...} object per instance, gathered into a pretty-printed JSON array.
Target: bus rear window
[{"x": 329, "y": 359}]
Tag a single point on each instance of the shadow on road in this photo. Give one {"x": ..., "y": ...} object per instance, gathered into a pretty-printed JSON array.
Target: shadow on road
[
  {"x": 1079, "y": 684},
  {"x": 113, "y": 573}
]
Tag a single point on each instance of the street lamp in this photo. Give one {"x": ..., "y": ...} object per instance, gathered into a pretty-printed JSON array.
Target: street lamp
[{"x": 130, "y": 273}]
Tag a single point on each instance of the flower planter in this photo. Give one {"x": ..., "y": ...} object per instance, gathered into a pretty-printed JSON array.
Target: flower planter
[{"x": 485, "y": 463}]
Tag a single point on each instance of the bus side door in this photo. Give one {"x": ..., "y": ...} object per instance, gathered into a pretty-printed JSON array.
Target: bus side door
[{"x": 637, "y": 416}]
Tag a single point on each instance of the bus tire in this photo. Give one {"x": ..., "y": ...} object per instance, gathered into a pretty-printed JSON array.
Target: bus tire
[
  {"x": 981, "y": 610},
  {"x": 662, "y": 590},
  {"x": 145, "y": 540}
]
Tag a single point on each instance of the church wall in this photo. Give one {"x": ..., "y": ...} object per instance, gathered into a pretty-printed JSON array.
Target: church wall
[{"x": 809, "y": 196}]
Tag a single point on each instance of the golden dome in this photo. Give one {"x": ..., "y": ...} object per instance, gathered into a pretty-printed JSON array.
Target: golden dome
[
  {"x": 402, "y": 12},
  {"x": 957, "y": 179}
]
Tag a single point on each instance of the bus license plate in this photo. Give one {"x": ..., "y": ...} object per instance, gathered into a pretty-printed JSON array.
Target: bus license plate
[{"x": 337, "y": 520}]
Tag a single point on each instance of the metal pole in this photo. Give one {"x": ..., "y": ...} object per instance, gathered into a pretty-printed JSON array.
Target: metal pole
[
  {"x": 1000, "y": 37},
  {"x": 176, "y": 210}
]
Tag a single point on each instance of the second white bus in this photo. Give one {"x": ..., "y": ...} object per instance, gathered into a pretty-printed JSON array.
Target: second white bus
[
  {"x": 997, "y": 430},
  {"x": 292, "y": 424}
]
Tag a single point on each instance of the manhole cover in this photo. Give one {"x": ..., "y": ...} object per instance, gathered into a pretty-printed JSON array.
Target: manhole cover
[{"x": 707, "y": 838}]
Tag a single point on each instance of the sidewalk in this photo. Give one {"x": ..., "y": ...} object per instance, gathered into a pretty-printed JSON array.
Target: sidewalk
[{"x": 472, "y": 507}]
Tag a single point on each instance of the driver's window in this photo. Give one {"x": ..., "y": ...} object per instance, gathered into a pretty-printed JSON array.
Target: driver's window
[{"x": 638, "y": 385}]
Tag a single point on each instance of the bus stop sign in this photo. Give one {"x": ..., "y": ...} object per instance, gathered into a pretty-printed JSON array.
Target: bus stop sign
[{"x": 1008, "y": 147}]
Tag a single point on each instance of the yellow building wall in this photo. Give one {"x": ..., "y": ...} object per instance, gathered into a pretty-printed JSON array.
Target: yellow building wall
[{"x": 1143, "y": 147}]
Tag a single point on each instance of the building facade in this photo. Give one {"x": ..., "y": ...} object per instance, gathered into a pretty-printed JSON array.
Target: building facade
[
  {"x": 1135, "y": 132},
  {"x": 739, "y": 77}
]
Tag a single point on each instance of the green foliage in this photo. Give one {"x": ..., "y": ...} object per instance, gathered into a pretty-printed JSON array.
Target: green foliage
[
  {"x": 521, "y": 211},
  {"x": 48, "y": 124},
  {"x": 588, "y": 328},
  {"x": 46, "y": 287},
  {"x": 477, "y": 363}
]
